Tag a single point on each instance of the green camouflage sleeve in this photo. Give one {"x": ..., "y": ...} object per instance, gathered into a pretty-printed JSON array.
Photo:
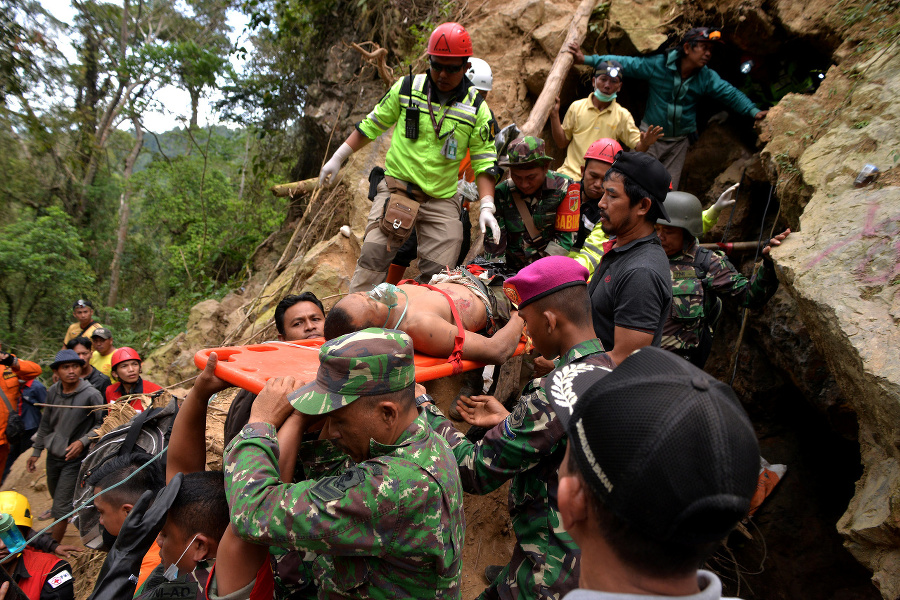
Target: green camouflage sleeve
[
  {"x": 723, "y": 279},
  {"x": 521, "y": 441},
  {"x": 351, "y": 513}
]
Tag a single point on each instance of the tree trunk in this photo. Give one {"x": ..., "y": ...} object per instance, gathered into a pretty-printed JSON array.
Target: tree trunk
[
  {"x": 564, "y": 60},
  {"x": 195, "y": 103},
  {"x": 244, "y": 165},
  {"x": 124, "y": 212}
]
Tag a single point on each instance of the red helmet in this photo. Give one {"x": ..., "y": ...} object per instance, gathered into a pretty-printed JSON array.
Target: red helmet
[
  {"x": 450, "y": 39},
  {"x": 604, "y": 150},
  {"x": 123, "y": 354}
]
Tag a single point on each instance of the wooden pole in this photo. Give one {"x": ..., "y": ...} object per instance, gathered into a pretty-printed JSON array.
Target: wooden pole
[
  {"x": 295, "y": 188},
  {"x": 564, "y": 61},
  {"x": 732, "y": 247}
]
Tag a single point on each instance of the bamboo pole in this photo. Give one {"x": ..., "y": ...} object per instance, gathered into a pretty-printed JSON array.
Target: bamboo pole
[
  {"x": 564, "y": 61},
  {"x": 295, "y": 188}
]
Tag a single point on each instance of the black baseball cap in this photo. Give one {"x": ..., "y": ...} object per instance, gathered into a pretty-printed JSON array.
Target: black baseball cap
[
  {"x": 102, "y": 333},
  {"x": 664, "y": 446},
  {"x": 649, "y": 173},
  {"x": 613, "y": 68},
  {"x": 82, "y": 304},
  {"x": 702, "y": 34}
]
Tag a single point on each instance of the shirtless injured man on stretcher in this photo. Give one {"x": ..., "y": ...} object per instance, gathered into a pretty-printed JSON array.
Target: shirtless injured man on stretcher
[{"x": 431, "y": 315}]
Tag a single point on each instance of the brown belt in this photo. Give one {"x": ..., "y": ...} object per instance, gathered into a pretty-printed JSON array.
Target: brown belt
[{"x": 411, "y": 190}]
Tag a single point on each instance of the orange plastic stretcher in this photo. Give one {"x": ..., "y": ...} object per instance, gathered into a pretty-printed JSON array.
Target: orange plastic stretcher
[{"x": 249, "y": 367}]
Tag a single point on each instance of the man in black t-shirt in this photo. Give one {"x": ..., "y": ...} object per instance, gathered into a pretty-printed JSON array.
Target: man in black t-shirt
[{"x": 631, "y": 290}]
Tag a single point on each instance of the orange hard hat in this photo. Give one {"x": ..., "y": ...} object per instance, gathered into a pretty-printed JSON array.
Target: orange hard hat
[
  {"x": 450, "y": 39},
  {"x": 604, "y": 150},
  {"x": 123, "y": 354}
]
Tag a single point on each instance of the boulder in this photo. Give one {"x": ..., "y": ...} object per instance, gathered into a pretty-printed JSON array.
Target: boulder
[
  {"x": 641, "y": 21},
  {"x": 843, "y": 269}
]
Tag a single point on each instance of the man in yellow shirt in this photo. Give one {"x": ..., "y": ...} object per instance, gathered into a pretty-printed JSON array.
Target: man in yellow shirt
[
  {"x": 598, "y": 116},
  {"x": 83, "y": 311},
  {"x": 101, "y": 359}
]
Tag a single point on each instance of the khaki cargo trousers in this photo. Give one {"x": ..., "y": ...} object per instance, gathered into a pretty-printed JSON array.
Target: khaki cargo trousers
[{"x": 439, "y": 232}]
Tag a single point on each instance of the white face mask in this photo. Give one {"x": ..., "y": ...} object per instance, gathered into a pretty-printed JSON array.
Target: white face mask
[{"x": 171, "y": 573}]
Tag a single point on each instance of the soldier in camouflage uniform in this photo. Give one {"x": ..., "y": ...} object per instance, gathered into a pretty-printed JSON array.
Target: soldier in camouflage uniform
[
  {"x": 701, "y": 278},
  {"x": 383, "y": 503},
  {"x": 543, "y": 193},
  {"x": 528, "y": 444}
]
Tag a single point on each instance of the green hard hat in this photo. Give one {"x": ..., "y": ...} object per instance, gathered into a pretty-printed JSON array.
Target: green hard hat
[{"x": 684, "y": 211}]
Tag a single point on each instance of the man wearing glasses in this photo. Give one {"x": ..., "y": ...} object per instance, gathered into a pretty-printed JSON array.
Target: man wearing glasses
[
  {"x": 438, "y": 116},
  {"x": 678, "y": 78}
]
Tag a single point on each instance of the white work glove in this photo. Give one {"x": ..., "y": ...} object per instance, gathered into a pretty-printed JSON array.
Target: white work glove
[
  {"x": 328, "y": 174},
  {"x": 487, "y": 219},
  {"x": 727, "y": 198}
]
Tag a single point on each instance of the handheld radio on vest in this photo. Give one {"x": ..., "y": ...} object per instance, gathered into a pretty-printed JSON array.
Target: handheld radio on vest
[{"x": 412, "y": 112}]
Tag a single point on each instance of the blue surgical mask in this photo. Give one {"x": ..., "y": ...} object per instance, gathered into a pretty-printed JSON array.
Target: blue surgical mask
[
  {"x": 171, "y": 573},
  {"x": 386, "y": 293},
  {"x": 603, "y": 97}
]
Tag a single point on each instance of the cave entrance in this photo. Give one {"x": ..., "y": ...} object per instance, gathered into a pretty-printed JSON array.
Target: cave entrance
[{"x": 765, "y": 74}]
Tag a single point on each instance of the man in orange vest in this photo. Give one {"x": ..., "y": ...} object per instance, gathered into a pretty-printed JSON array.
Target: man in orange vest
[
  {"x": 13, "y": 369},
  {"x": 42, "y": 576}
]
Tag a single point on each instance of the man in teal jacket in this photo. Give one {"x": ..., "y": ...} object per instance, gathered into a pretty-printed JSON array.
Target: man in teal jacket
[{"x": 678, "y": 78}]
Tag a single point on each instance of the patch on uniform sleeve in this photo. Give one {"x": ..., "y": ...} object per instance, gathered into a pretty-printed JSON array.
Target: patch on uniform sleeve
[
  {"x": 59, "y": 579},
  {"x": 512, "y": 293},
  {"x": 335, "y": 488},
  {"x": 515, "y": 420}
]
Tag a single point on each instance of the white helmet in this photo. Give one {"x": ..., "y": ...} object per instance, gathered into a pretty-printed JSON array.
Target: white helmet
[{"x": 480, "y": 74}]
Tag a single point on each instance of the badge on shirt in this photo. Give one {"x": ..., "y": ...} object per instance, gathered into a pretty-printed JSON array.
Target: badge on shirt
[
  {"x": 450, "y": 147},
  {"x": 59, "y": 579},
  {"x": 335, "y": 488}
]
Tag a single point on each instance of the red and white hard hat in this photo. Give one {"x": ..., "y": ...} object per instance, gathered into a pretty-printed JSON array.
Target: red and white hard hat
[
  {"x": 604, "y": 150},
  {"x": 450, "y": 39},
  {"x": 122, "y": 354}
]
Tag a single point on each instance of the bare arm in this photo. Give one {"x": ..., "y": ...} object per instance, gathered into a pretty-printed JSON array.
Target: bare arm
[
  {"x": 627, "y": 341},
  {"x": 237, "y": 563},
  {"x": 434, "y": 336},
  {"x": 485, "y": 185},
  {"x": 559, "y": 135},
  {"x": 356, "y": 140},
  {"x": 289, "y": 437},
  {"x": 187, "y": 445}
]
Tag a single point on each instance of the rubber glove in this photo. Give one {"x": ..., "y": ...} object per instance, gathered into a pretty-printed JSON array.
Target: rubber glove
[
  {"x": 140, "y": 528},
  {"x": 328, "y": 174},
  {"x": 487, "y": 219},
  {"x": 727, "y": 198}
]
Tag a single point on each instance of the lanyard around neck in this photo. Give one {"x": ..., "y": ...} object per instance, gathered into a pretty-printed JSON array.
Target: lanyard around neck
[{"x": 435, "y": 124}]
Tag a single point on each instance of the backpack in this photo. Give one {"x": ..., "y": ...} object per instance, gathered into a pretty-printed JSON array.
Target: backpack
[{"x": 148, "y": 432}]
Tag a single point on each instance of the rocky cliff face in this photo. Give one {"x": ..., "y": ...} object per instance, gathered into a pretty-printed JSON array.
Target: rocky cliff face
[{"x": 832, "y": 333}]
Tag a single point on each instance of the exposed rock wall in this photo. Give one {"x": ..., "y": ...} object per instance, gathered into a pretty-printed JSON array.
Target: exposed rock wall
[{"x": 843, "y": 270}]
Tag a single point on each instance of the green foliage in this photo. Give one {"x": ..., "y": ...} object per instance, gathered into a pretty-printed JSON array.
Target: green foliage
[{"x": 41, "y": 270}]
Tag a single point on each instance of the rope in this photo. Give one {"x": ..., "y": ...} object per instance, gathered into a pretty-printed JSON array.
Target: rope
[
  {"x": 744, "y": 318},
  {"x": 91, "y": 499}
]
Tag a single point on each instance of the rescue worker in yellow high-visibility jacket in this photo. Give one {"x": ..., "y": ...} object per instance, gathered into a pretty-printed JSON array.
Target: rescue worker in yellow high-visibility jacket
[{"x": 438, "y": 116}]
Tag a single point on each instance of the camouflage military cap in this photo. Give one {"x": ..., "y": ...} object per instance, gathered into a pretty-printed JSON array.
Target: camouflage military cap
[
  {"x": 370, "y": 362},
  {"x": 525, "y": 152}
]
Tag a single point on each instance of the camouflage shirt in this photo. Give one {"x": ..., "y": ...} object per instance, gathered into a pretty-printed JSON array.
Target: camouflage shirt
[
  {"x": 515, "y": 244},
  {"x": 700, "y": 276},
  {"x": 389, "y": 527},
  {"x": 528, "y": 446}
]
